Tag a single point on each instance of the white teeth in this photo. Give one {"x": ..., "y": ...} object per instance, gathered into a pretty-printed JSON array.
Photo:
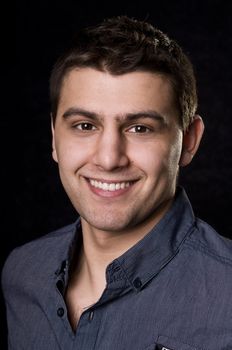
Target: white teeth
[
  {"x": 109, "y": 186},
  {"x": 105, "y": 186},
  {"x": 112, "y": 187}
]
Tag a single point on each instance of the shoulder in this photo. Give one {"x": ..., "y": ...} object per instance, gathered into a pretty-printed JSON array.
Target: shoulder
[
  {"x": 207, "y": 241},
  {"x": 38, "y": 256}
]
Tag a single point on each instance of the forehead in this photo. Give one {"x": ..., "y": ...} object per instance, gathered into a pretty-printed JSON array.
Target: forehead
[{"x": 116, "y": 94}]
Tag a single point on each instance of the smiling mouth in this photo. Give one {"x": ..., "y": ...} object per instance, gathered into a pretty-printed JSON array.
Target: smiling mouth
[{"x": 110, "y": 186}]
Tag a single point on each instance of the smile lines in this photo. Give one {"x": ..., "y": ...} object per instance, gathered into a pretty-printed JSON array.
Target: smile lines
[{"x": 113, "y": 186}]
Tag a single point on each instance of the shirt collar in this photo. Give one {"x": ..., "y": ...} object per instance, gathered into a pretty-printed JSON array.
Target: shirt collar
[{"x": 145, "y": 259}]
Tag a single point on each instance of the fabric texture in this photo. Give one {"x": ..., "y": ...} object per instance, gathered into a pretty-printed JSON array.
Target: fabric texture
[{"x": 172, "y": 290}]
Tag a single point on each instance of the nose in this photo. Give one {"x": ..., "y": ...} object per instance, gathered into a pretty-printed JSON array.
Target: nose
[{"x": 111, "y": 151}]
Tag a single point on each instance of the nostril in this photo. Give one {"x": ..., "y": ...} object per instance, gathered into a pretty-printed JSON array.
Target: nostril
[{"x": 110, "y": 157}]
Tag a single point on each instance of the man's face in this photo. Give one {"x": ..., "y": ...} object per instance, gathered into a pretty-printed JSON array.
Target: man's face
[{"x": 118, "y": 142}]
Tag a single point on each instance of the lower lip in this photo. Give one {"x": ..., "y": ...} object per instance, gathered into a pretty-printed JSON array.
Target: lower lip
[{"x": 109, "y": 194}]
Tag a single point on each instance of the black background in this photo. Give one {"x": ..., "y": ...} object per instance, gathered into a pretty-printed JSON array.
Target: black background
[{"x": 35, "y": 33}]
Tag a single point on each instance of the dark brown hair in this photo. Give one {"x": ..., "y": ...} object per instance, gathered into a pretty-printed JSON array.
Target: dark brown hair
[{"x": 121, "y": 45}]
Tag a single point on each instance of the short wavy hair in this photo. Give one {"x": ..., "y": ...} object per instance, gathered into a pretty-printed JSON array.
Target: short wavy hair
[{"x": 122, "y": 45}]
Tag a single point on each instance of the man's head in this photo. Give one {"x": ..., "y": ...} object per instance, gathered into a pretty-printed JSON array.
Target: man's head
[
  {"x": 123, "y": 104},
  {"x": 121, "y": 45}
]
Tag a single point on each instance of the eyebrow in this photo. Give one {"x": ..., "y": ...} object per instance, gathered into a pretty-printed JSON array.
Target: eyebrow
[{"x": 151, "y": 114}]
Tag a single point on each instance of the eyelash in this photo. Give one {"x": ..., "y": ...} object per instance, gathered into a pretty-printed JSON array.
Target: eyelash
[
  {"x": 145, "y": 129},
  {"x": 80, "y": 125}
]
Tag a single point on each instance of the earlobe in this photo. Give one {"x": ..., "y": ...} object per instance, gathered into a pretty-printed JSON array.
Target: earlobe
[
  {"x": 191, "y": 140},
  {"x": 54, "y": 154}
]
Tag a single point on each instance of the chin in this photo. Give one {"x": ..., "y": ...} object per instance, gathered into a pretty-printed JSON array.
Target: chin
[
  {"x": 108, "y": 224},
  {"x": 110, "y": 227}
]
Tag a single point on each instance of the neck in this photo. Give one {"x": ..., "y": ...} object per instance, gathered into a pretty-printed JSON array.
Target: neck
[
  {"x": 87, "y": 275},
  {"x": 100, "y": 247}
]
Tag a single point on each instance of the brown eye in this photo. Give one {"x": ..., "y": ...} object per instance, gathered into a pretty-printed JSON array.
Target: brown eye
[
  {"x": 85, "y": 126},
  {"x": 139, "y": 129}
]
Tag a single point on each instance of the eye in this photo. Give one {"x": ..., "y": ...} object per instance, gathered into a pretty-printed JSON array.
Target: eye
[
  {"x": 85, "y": 126},
  {"x": 139, "y": 129}
]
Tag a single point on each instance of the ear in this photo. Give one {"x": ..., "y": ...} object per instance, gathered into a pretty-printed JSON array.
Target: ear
[
  {"x": 54, "y": 154},
  {"x": 191, "y": 140}
]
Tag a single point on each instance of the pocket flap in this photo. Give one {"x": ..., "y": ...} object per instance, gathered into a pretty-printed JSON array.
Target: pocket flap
[{"x": 166, "y": 343}]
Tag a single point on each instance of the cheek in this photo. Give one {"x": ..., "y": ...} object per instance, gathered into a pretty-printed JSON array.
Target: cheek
[
  {"x": 174, "y": 159},
  {"x": 70, "y": 155},
  {"x": 176, "y": 149},
  {"x": 158, "y": 158},
  {"x": 150, "y": 155}
]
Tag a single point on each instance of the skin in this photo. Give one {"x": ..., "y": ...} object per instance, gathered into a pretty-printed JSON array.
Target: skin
[{"x": 114, "y": 130}]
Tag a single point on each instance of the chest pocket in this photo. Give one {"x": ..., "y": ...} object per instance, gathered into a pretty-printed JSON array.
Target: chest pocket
[{"x": 166, "y": 343}]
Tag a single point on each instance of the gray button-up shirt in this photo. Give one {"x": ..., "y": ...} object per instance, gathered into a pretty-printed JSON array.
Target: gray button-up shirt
[{"x": 172, "y": 290}]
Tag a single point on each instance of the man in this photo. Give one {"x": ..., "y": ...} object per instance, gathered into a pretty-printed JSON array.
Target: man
[{"x": 137, "y": 270}]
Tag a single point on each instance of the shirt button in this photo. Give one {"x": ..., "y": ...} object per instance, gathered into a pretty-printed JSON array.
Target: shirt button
[
  {"x": 137, "y": 283},
  {"x": 60, "y": 312},
  {"x": 91, "y": 314}
]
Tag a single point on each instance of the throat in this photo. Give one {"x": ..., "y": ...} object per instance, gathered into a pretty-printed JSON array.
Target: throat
[
  {"x": 84, "y": 289},
  {"x": 76, "y": 305}
]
